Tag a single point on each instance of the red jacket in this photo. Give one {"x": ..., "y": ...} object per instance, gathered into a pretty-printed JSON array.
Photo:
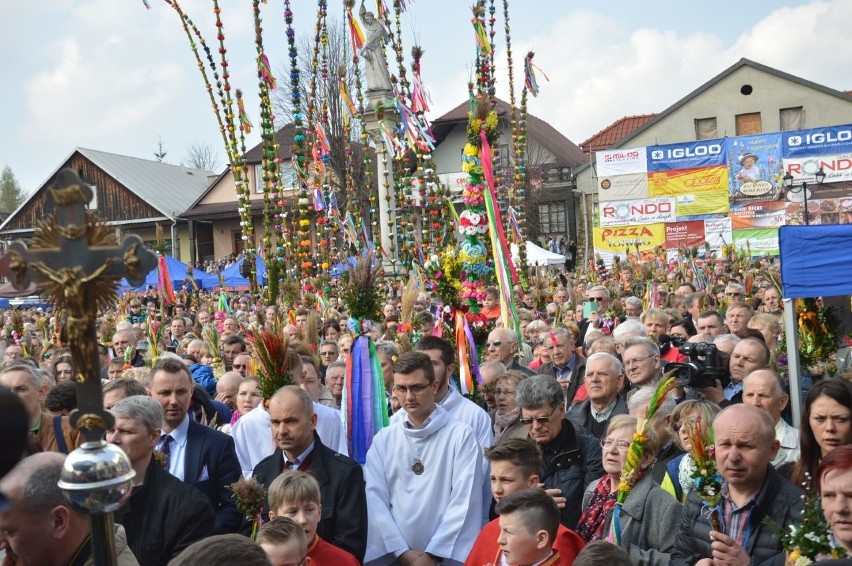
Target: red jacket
[
  {"x": 322, "y": 553},
  {"x": 486, "y": 550}
]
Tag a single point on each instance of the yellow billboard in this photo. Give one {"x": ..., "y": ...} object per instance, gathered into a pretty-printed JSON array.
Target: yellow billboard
[
  {"x": 623, "y": 239},
  {"x": 688, "y": 181}
]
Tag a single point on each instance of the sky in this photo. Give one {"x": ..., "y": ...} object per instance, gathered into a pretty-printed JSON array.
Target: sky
[{"x": 114, "y": 76}]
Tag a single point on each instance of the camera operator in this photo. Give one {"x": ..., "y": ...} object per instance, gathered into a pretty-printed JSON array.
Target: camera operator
[{"x": 747, "y": 356}]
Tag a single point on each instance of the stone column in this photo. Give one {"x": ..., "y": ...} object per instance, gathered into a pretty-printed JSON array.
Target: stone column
[{"x": 382, "y": 112}]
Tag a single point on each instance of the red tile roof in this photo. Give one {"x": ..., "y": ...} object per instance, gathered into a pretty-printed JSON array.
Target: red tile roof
[{"x": 614, "y": 132}]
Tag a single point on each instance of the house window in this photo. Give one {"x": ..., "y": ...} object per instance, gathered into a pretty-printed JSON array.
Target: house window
[
  {"x": 792, "y": 118},
  {"x": 749, "y": 124},
  {"x": 705, "y": 129},
  {"x": 258, "y": 179},
  {"x": 551, "y": 218}
]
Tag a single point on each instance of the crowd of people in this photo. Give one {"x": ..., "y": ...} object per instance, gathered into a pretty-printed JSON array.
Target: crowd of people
[{"x": 528, "y": 470}]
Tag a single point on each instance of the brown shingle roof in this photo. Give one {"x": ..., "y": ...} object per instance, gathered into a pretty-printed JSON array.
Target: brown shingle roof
[
  {"x": 614, "y": 132},
  {"x": 284, "y": 139},
  {"x": 561, "y": 147}
]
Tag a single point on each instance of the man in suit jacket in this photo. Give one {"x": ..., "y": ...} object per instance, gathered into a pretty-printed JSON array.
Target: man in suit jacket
[
  {"x": 200, "y": 456},
  {"x": 341, "y": 480},
  {"x": 567, "y": 366},
  {"x": 604, "y": 379}
]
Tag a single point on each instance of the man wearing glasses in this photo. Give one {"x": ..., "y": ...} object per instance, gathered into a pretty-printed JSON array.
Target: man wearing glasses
[
  {"x": 502, "y": 346},
  {"x": 641, "y": 357},
  {"x": 570, "y": 461},
  {"x": 600, "y": 295},
  {"x": 424, "y": 467}
]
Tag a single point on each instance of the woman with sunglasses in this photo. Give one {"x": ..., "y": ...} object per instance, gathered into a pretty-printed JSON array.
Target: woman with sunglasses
[
  {"x": 678, "y": 480},
  {"x": 648, "y": 515}
]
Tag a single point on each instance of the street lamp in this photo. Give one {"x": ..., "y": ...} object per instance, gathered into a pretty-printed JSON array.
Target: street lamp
[{"x": 803, "y": 188}]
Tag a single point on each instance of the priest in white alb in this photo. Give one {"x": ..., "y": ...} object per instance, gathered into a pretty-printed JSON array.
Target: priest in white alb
[{"x": 424, "y": 478}]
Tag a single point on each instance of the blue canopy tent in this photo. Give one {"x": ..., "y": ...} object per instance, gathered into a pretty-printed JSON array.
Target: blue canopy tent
[
  {"x": 813, "y": 264},
  {"x": 177, "y": 272},
  {"x": 235, "y": 282}
]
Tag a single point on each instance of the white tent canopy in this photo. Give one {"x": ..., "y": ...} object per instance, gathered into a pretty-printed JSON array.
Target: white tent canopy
[{"x": 538, "y": 256}]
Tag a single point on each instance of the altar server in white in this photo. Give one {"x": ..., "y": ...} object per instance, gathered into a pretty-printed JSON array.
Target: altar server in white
[{"x": 424, "y": 478}]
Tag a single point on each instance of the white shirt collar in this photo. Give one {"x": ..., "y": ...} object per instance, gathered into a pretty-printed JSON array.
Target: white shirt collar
[{"x": 179, "y": 434}]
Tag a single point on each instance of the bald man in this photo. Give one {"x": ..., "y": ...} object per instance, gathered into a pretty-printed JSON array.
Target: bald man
[
  {"x": 227, "y": 387},
  {"x": 764, "y": 389},
  {"x": 299, "y": 447}
]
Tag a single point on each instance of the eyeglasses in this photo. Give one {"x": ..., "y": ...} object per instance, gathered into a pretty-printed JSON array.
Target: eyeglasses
[
  {"x": 598, "y": 299},
  {"x": 677, "y": 425},
  {"x": 495, "y": 343},
  {"x": 635, "y": 361},
  {"x": 402, "y": 390},
  {"x": 506, "y": 392},
  {"x": 540, "y": 420},
  {"x": 733, "y": 294},
  {"x": 328, "y": 353},
  {"x": 609, "y": 444}
]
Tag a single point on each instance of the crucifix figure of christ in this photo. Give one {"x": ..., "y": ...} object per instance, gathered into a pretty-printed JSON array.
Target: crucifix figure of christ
[{"x": 78, "y": 262}]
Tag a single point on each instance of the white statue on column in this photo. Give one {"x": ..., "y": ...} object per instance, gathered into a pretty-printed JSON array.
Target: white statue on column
[{"x": 378, "y": 77}]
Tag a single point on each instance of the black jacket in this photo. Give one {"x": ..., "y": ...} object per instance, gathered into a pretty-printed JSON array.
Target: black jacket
[
  {"x": 777, "y": 499},
  {"x": 570, "y": 462},
  {"x": 342, "y": 491},
  {"x": 163, "y": 516}
]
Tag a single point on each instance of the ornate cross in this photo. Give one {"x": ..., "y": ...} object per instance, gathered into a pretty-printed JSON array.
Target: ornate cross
[{"x": 77, "y": 261}]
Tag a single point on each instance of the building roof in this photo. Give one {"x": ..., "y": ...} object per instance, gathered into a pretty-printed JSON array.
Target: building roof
[
  {"x": 284, "y": 139},
  {"x": 167, "y": 188},
  {"x": 719, "y": 78},
  {"x": 614, "y": 132},
  {"x": 561, "y": 147},
  {"x": 714, "y": 81}
]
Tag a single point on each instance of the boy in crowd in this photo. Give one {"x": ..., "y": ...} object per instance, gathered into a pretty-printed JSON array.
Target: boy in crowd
[
  {"x": 529, "y": 520},
  {"x": 284, "y": 542},
  {"x": 296, "y": 495},
  {"x": 515, "y": 464}
]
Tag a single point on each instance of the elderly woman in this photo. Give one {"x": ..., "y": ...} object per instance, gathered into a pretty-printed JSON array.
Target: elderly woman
[
  {"x": 826, "y": 425},
  {"x": 678, "y": 480},
  {"x": 649, "y": 515},
  {"x": 507, "y": 415},
  {"x": 832, "y": 482}
]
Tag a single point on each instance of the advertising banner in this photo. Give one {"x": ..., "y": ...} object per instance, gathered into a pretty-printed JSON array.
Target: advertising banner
[
  {"x": 718, "y": 233},
  {"x": 623, "y": 187},
  {"x": 758, "y": 241},
  {"x": 837, "y": 168},
  {"x": 624, "y": 239},
  {"x": 702, "y": 204},
  {"x": 820, "y": 211},
  {"x": 766, "y": 214},
  {"x": 684, "y": 234},
  {"x": 704, "y": 153},
  {"x": 630, "y": 212},
  {"x": 817, "y": 141},
  {"x": 688, "y": 181},
  {"x": 755, "y": 167},
  {"x": 621, "y": 161}
]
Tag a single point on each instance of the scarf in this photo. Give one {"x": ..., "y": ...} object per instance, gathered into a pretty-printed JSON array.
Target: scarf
[
  {"x": 593, "y": 520},
  {"x": 504, "y": 421}
]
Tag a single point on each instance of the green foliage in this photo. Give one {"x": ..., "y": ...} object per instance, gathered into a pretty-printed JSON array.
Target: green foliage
[{"x": 11, "y": 195}]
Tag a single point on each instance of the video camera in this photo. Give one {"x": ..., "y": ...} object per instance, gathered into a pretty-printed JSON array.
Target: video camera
[{"x": 706, "y": 364}]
